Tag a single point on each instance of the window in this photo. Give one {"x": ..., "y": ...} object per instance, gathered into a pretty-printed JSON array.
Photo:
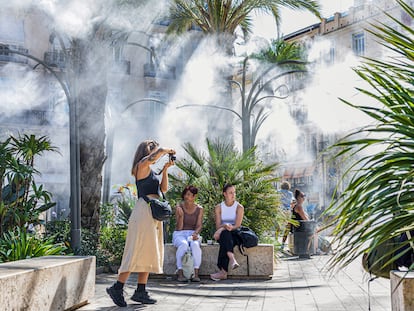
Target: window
[
  {"x": 358, "y": 44},
  {"x": 117, "y": 52}
]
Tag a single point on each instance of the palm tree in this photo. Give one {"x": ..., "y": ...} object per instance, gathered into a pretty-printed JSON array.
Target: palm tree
[
  {"x": 377, "y": 204},
  {"x": 86, "y": 78},
  {"x": 222, "y": 18},
  {"x": 279, "y": 60},
  {"x": 224, "y": 164},
  {"x": 280, "y": 50}
]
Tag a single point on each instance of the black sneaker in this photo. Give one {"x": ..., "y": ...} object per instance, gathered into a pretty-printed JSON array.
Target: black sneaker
[
  {"x": 117, "y": 296},
  {"x": 142, "y": 297}
]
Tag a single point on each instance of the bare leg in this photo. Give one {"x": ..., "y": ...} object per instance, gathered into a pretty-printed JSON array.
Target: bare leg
[
  {"x": 143, "y": 277},
  {"x": 233, "y": 263},
  {"x": 123, "y": 277}
]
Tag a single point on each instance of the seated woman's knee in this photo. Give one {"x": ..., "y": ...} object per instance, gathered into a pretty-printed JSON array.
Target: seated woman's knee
[{"x": 225, "y": 235}]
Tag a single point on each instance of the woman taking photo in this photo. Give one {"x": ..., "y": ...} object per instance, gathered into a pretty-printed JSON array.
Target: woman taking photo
[{"x": 144, "y": 249}]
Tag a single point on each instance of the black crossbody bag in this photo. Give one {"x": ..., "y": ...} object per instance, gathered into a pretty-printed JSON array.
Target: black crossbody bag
[{"x": 160, "y": 209}]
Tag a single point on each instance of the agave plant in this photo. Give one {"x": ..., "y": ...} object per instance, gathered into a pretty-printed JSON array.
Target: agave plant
[
  {"x": 378, "y": 202},
  {"x": 224, "y": 164}
]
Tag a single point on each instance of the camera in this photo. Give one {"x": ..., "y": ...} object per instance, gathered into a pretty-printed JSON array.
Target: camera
[{"x": 172, "y": 157}]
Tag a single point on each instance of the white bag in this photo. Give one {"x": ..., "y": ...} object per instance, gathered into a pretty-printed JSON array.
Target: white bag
[{"x": 188, "y": 264}]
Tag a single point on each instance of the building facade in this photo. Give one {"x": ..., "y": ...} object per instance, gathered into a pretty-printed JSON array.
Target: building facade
[
  {"x": 343, "y": 34},
  {"x": 140, "y": 84}
]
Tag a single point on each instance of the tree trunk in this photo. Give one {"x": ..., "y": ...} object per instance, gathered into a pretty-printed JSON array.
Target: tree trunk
[{"x": 91, "y": 92}]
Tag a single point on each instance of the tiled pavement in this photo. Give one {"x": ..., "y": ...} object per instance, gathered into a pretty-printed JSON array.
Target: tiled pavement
[{"x": 297, "y": 284}]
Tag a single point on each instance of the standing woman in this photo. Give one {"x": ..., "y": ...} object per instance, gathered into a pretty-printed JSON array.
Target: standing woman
[
  {"x": 144, "y": 249},
  {"x": 228, "y": 216},
  {"x": 189, "y": 222}
]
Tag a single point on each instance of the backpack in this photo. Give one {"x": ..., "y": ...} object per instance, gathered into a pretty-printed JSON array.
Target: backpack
[
  {"x": 188, "y": 264},
  {"x": 376, "y": 261},
  {"x": 406, "y": 252},
  {"x": 324, "y": 245},
  {"x": 246, "y": 238}
]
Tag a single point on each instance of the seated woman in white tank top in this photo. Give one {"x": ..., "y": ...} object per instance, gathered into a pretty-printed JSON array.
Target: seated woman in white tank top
[{"x": 228, "y": 216}]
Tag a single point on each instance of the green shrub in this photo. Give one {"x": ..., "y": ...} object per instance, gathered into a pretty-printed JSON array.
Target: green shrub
[
  {"x": 16, "y": 245},
  {"x": 112, "y": 241},
  {"x": 89, "y": 247},
  {"x": 59, "y": 231}
]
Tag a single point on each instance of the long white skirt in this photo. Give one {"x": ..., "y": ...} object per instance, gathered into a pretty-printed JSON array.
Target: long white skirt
[{"x": 144, "y": 247}]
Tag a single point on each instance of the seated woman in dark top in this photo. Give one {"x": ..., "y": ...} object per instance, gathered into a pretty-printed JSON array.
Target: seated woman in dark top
[{"x": 298, "y": 211}]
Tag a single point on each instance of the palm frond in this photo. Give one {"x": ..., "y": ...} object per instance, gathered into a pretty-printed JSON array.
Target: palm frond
[{"x": 377, "y": 203}]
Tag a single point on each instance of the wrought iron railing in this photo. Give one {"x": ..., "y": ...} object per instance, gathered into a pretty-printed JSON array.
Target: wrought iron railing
[{"x": 6, "y": 56}]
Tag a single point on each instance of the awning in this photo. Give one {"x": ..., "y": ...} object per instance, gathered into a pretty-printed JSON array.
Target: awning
[{"x": 299, "y": 171}]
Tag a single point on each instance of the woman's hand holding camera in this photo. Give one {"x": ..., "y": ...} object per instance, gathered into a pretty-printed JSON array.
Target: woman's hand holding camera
[{"x": 171, "y": 159}]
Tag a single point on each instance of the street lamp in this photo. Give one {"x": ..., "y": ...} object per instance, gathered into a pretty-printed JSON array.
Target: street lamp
[
  {"x": 74, "y": 203},
  {"x": 250, "y": 99}
]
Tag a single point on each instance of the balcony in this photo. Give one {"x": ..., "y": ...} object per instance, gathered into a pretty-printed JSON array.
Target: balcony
[
  {"x": 6, "y": 56},
  {"x": 55, "y": 59},
  {"x": 121, "y": 67},
  {"x": 150, "y": 71},
  {"x": 28, "y": 118}
]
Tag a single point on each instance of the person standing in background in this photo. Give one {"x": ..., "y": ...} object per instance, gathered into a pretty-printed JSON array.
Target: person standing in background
[{"x": 287, "y": 204}]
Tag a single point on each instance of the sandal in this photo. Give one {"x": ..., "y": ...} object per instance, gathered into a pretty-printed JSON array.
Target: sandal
[
  {"x": 195, "y": 279},
  {"x": 234, "y": 265}
]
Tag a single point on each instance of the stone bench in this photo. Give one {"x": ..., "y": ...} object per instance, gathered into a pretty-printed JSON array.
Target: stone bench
[
  {"x": 258, "y": 264},
  {"x": 47, "y": 283},
  {"x": 402, "y": 291}
]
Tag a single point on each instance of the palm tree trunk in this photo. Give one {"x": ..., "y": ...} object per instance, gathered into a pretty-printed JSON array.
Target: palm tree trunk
[{"x": 91, "y": 98}]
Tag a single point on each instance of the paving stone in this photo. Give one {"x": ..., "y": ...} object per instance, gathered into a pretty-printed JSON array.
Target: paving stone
[{"x": 304, "y": 285}]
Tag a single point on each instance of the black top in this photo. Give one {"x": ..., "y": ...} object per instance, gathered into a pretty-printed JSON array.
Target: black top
[
  {"x": 296, "y": 215},
  {"x": 148, "y": 185}
]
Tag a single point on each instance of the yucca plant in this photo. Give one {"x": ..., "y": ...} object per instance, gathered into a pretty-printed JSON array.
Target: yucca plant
[
  {"x": 378, "y": 202},
  {"x": 21, "y": 199}
]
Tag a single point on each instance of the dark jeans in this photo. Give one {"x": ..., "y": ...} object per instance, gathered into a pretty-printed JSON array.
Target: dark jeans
[{"x": 227, "y": 241}]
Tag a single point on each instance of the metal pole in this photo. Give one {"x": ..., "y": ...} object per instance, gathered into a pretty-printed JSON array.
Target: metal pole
[
  {"x": 108, "y": 164},
  {"x": 75, "y": 197},
  {"x": 74, "y": 201}
]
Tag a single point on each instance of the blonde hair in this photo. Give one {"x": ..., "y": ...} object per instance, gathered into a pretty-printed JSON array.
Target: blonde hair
[
  {"x": 141, "y": 152},
  {"x": 285, "y": 185}
]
